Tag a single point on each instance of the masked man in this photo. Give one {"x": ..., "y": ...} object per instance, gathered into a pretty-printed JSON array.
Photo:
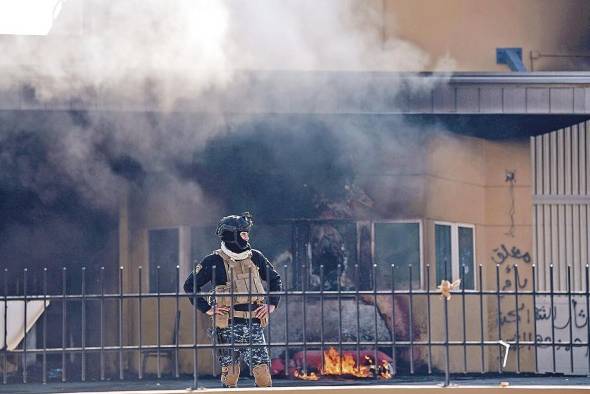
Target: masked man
[{"x": 238, "y": 308}]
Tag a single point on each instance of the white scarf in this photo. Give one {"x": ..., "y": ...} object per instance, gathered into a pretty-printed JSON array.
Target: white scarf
[{"x": 236, "y": 256}]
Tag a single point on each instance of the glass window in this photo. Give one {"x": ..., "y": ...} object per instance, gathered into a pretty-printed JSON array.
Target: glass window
[
  {"x": 455, "y": 253},
  {"x": 466, "y": 257},
  {"x": 399, "y": 244},
  {"x": 442, "y": 235},
  {"x": 163, "y": 252}
]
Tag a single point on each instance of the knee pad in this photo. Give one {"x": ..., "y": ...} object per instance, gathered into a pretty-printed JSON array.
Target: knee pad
[
  {"x": 262, "y": 375},
  {"x": 230, "y": 375}
]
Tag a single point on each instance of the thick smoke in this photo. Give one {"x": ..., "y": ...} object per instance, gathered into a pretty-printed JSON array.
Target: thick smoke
[
  {"x": 67, "y": 171},
  {"x": 194, "y": 45}
]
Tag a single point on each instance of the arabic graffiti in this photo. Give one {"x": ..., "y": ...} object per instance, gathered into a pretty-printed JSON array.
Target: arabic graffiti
[
  {"x": 547, "y": 319},
  {"x": 512, "y": 314},
  {"x": 562, "y": 321},
  {"x": 505, "y": 257},
  {"x": 501, "y": 254},
  {"x": 579, "y": 316}
]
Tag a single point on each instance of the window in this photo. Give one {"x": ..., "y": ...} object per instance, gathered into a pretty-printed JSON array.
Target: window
[
  {"x": 455, "y": 253},
  {"x": 398, "y": 243},
  {"x": 163, "y": 252}
]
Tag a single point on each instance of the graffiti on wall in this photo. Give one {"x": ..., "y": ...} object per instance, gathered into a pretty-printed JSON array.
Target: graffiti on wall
[
  {"x": 565, "y": 320},
  {"x": 507, "y": 258}
]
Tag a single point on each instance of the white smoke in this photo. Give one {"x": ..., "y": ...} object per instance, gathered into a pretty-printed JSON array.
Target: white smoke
[{"x": 185, "y": 47}]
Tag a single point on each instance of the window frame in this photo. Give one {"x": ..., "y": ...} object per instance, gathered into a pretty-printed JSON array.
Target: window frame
[
  {"x": 147, "y": 277},
  {"x": 455, "y": 250},
  {"x": 420, "y": 235}
]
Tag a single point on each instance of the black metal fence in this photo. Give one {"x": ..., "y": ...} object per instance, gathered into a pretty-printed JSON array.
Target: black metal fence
[{"x": 116, "y": 320}]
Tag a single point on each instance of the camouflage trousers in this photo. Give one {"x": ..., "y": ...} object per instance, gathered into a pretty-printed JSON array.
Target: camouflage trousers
[{"x": 244, "y": 334}]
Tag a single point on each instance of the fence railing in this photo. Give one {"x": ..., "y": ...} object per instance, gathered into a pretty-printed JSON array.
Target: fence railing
[{"x": 436, "y": 334}]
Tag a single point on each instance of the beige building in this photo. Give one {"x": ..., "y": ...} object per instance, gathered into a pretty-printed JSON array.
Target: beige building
[{"x": 435, "y": 173}]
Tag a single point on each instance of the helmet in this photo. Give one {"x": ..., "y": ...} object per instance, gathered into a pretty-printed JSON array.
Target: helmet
[
  {"x": 235, "y": 224},
  {"x": 229, "y": 229}
]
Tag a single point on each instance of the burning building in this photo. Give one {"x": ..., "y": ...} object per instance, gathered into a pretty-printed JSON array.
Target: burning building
[{"x": 348, "y": 171}]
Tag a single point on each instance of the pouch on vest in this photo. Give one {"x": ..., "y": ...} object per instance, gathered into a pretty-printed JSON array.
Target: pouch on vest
[{"x": 222, "y": 298}]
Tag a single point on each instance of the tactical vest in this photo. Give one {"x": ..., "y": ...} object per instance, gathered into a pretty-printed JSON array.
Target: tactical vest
[{"x": 243, "y": 279}]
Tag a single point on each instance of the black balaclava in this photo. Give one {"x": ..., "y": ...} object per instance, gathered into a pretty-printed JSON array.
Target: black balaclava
[
  {"x": 234, "y": 242},
  {"x": 229, "y": 229}
]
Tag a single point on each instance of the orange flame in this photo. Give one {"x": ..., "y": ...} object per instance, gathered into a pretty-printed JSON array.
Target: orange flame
[
  {"x": 334, "y": 364},
  {"x": 304, "y": 376}
]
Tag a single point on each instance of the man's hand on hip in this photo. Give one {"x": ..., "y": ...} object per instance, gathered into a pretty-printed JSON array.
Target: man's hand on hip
[
  {"x": 264, "y": 310},
  {"x": 218, "y": 310}
]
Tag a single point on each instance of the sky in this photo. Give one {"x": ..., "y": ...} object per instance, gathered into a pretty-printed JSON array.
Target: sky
[{"x": 28, "y": 17}]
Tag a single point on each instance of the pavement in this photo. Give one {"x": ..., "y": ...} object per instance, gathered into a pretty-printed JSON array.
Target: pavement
[{"x": 185, "y": 383}]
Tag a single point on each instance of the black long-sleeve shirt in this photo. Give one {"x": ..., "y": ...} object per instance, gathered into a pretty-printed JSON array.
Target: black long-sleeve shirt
[{"x": 204, "y": 275}]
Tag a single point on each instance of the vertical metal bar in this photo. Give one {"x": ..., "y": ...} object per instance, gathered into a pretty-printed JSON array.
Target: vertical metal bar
[
  {"x": 267, "y": 302},
  {"x": 571, "y": 324},
  {"x": 5, "y": 349},
  {"x": 587, "y": 272},
  {"x": 304, "y": 288},
  {"x": 120, "y": 323},
  {"x": 158, "y": 339},
  {"x": 195, "y": 358},
  {"x": 516, "y": 281},
  {"x": 215, "y": 338},
  {"x": 286, "y": 270},
  {"x": 102, "y": 373},
  {"x": 339, "y": 288},
  {"x": 63, "y": 323},
  {"x": 231, "y": 314},
  {"x": 294, "y": 254},
  {"x": 429, "y": 319},
  {"x": 446, "y": 317},
  {"x": 322, "y": 339},
  {"x": 393, "y": 355},
  {"x": 551, "y": 294},
  {"x": 25, "y": 326},
  {"x": 177, "y": 324},
  {"x": 534, "y": 273},
  {"x": 375, "y": 318},
  {"x": 140, "y": 325},
  {"x": 83, "y": 328},
  {"x": 44, "y": 325},
  {"x": 196, "y": 328},
  {"x": 499, "y": 306},
  {"x": 358, "y": 318},
  {"x": 250, "y": 318},
  {"x": 231, "y": 317},
  {"x": 462, "y": 276},
  {"x": 481, "y": 321},
  {"x": 411, "y": 331}
]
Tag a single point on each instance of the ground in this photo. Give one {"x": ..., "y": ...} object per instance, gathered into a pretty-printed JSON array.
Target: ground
[{"x": 184, "y": 385}]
